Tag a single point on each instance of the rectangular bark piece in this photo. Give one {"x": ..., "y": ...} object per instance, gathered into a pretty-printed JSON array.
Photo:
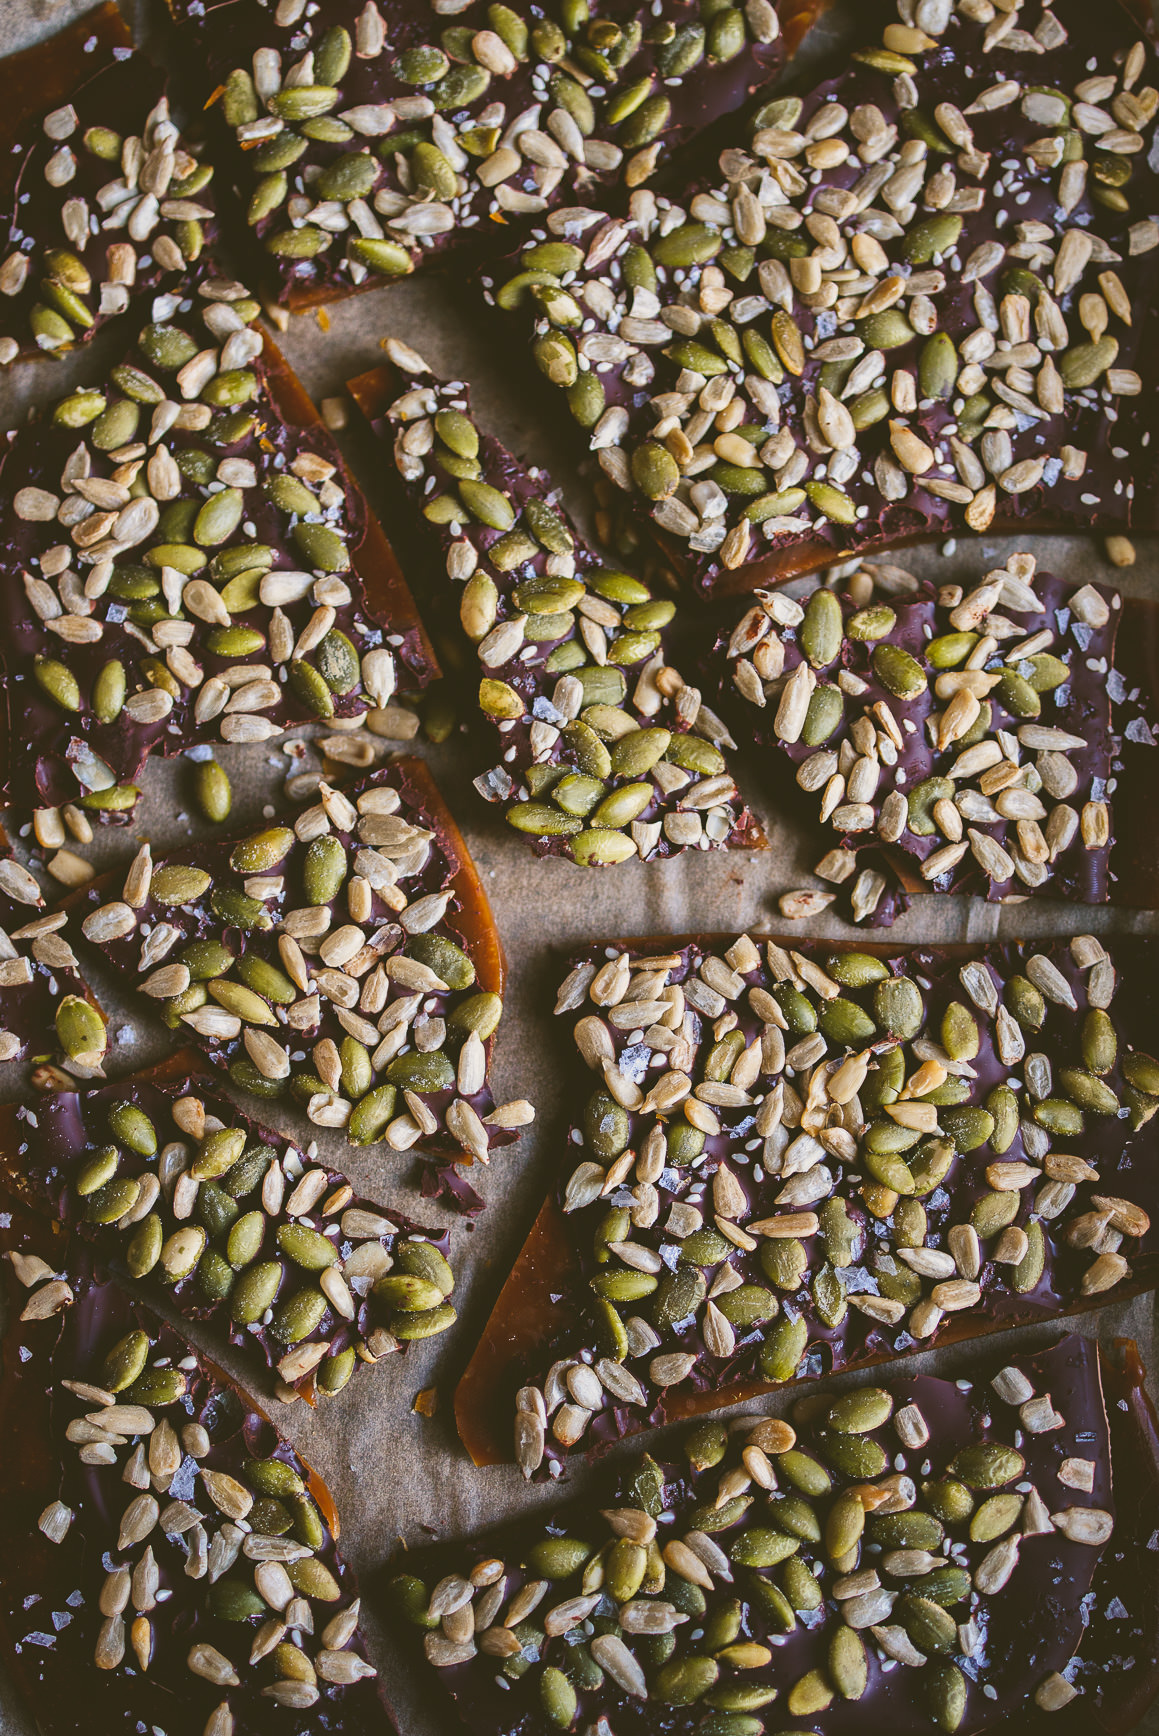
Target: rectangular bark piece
[
  {"x": 913, "y": 303},
  {"x": 345, "y": 954},
  {"x": 365, "y": 143},
  {"x": 605, "y": 753},
  {"x": 129, "y": 1592},
  {"x": 803, "y": 1157},
  {"x": 102, "y": 200},
  {"x": 247, "y": 589},
  {"x": 234, "y": 1223},
  {"x": 971, "y": 733},
  {"x": 904, "y": 1556}
]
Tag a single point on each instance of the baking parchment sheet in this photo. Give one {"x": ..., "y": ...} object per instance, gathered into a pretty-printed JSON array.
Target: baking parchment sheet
[{"x": 400, "y": 1478}]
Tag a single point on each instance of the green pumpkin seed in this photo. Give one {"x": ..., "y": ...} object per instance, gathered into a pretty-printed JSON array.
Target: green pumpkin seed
[
  {"x": 156, "y": 1386},
  {"x": 80, "y": 1030},
  {"x": 1083, "y": 364},
  {"x": 480, "y": 1013},
  {"x": 109, "y": 691},
  {"x": 1088, "y": 1091},
  {"x": 144, "y": 1247},
  {"x": 820, "y": 633},
  {"x": 125, "y": 1362},
  {"x": 408, "y": 1292},
  {"x": 254, "y": 1292},
  {"x": 178, "y": 884},
  {"x": 422, "y": 1073},
  {"x": 388, "y": 258},
  {"x": 898, "y": 672},
  {"x": 181, "y": 1251},
  {"x": 684, "y": 1682},
  {"x": 858, "y": 1412},
  {"x": 824, "y": 714},
  {"x": 654, "y": 470},
  {"x": 987, "y": 1465},
  {"x": 133, "y": 1128},
  {"x": 58, "y": 682},
  {"x": 1142, "y": 1071},
  {"x": 928, "y": 1625},
  {"x": 298, "y": 1316},
  {"x": 679, "y": 1295},
  {"x": 1065, "y": 1120},
  {"x": 931, "y": 238},
  {"x": 1027, "y": 1275},
  {"x": 324, "y": 869},
  {"x": 946, "y": 1692},
  {"x": 370, "y": 1117},
  {"x": 306, "y": 1247},
  {"x": 558, "y": 1698}
]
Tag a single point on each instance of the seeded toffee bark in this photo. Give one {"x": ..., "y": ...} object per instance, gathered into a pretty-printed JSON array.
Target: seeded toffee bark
[
  {"x": 46, "y": 1007},
  {"x": 365, "y": 141},
  {"x": 848, "y": 1568},
  {"x": 233, "y": 1222},
  {"x": 348, "y": 955},
  {"x": 917, "y": 299},
  {"x": 102, "y": 200},
  {"x": 188, "y": 562},
  {"x": 802, "y": 1159},
  {"x": 973, "y": 731},
  {"x": 169, "y": 1560},
  {"x": 606, "y": 753}
]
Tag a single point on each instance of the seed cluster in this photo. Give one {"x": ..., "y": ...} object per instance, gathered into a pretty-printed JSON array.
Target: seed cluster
[
  {"x": 212, "y": 1554},
  {"x": 41, "y": 986},
  {"x": 860, "y": 1555},
  {"x": 361, "y": 149},
  {"x": 970, "y": 729},
  {"x": 798, "y": 1156},
  {"x": 110, "y": 204},
  {"x": 907, "y": 303},
  {"x": 300, "y": 957},
  {"x": 237, "y": 1225},
  {"x": 585, "y": 769},
  {"x": 205, "y": 587}
]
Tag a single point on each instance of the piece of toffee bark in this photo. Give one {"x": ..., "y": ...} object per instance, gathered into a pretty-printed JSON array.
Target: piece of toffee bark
[
  {"x": 900, "y": 1557},
  {"x": 186, "y": 561},
  {"x": 606, "y": 753},
  {"x": 972, "y": 731},
  {"x": 46, "y": 1007},
  {"x": 364, "y": 144},
  {"x": 102, "y": 201},
  {"x": 233, "y": 1221},
  {"x": 919, "y": 299},
  {"x": 346, "y": 953},
  {"x": 801, "y": 1158},
  {"x": 168, "y": 1561}
]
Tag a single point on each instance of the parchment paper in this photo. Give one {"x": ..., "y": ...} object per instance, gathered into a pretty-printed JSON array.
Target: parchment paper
[{"x": 401, "y": 1479}]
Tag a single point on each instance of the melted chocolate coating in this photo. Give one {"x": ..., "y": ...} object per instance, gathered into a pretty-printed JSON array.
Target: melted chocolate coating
[
  {"x": 429, "y": 864},
  {"x": 547, "y": 1313},
  {"x": 529, "y": 671},
  {"x": 1032, "y": 1627},
  {"x": 1116, "y": 489},
  {"x": 227, "y": 36},
  {"x": 111, "y": 88},
  {"x": 49, "y": 1615},
  {"x": 380, "y": 611},
  {"x": 1081, "y": 706},
  {"x": 43, "y": 1148}
]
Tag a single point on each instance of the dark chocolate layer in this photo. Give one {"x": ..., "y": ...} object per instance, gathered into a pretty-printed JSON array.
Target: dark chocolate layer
[
  {"x": 731, "y": 1224},
  {"x": 233, "y": 1223},
  {"x": 877, "y": 324},
  {"x": 187, "y": 1584},
  {"x": 604, "y": 751},
  {"x": 971, "y": 1499}
]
